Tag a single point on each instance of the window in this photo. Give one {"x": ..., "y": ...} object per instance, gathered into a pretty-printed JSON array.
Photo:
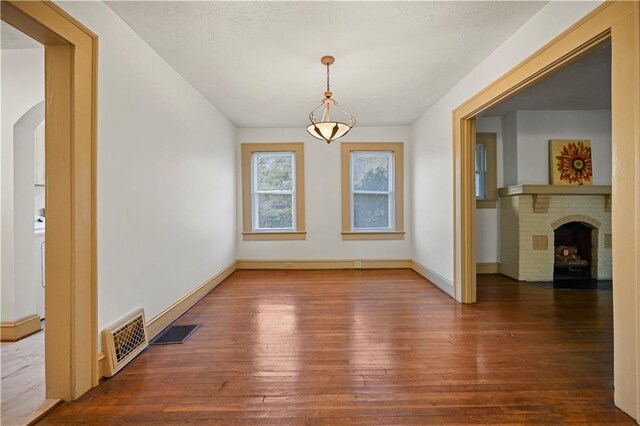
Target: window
[
  {"x": 372, "y": 193},
  {"x": 273, "y": 191},
  {"x": 481, "y": 171},
  {"x": 486, "y": 174}
]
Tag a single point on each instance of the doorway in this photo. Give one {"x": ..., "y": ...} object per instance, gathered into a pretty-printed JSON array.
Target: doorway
[
  {"x": 22, "y": 347},
  {"x": 70, "y": 114},
  {"x": 619, "y": 23}
]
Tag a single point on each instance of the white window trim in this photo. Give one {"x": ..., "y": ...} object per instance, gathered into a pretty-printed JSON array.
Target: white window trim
[
  {"x": 391, "y": 192},
  {"x": 256, "y": 192}
]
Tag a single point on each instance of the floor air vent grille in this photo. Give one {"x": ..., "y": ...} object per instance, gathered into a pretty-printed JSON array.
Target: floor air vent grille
[
  {"x": 175, "y": 334},
  {"x": 124, "y": 340}
]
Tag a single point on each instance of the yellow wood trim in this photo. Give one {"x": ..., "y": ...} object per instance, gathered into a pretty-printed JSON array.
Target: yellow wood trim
[
  {"x": 11, "y": 331},
  {"x": 373, "y": 235},
  {"x": 489, "y": 140},
  {"x": 398, "y": 153},
  {"x": 488, "y": 268},
  {"x": 247, "y": 149},
  {"x": 70, "y": 90},
  {"x": 486, "y": 204},
  {"x": 47, "y": 407},
  {"x": 159, "y": 322},
  {"x": 323, "y": 263},
  {"x": 569, "y": 46},
  {"x": 513, "y": 190},
  {"x": 619, "y": 22},
  {"x": 103, "y": 367},
  {"x": 273, "y": 236}
]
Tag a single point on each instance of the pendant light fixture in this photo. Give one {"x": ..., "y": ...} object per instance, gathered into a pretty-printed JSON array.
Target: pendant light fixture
[{"x": 329, "y": 122}]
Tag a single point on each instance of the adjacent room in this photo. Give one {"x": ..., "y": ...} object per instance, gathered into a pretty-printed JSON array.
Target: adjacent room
[{"x": 320, "y": 212}]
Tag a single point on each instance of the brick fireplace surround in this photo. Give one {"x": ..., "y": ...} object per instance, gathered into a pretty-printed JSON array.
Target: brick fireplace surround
[{"x": 529, "y": 214}]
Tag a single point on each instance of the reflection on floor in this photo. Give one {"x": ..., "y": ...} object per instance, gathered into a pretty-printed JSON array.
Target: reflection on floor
[
  {"x": 22, "y": 385},
  {"x": 367, "y": 347}
]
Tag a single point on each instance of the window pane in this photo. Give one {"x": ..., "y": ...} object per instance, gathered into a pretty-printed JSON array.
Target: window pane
[
  {"x": 275, "y": 172},
  {"x": 480, "y": 158},
  {"x": 370, "y": 211},
  {"x": 371, "y": 172},
  {"x": 275, "y": 211},
  {"x": 480, "y": 170}
]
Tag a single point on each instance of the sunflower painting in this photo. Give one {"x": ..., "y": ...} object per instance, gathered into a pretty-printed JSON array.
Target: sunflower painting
[{"x": 570, "y": 162}]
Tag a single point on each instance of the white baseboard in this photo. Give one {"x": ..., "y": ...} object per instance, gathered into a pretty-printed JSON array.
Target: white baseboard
[{"x": 436, "y": 279}]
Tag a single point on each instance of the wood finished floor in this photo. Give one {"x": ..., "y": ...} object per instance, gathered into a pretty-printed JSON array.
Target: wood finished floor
[
  {"x": 370, "y": 347},
  {"x": 22, "y": 390}
]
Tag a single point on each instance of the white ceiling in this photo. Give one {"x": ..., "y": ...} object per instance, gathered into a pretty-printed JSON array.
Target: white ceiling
[
  {"x": 11, "y": 38},
  {"x": 583, "y": 85},
  {"x": 259, "y": 62}
]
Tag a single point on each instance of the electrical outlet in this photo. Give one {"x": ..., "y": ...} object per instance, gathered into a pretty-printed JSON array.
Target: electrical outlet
[
  {"x": 288, "y": 265},
  {"x": 357, "y": 264}
]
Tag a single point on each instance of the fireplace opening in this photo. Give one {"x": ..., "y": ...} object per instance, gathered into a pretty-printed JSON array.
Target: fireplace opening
[{"x": 574, "y": 255}]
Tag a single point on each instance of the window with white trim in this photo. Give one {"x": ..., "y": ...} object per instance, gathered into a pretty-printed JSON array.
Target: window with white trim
[{"x": 273, "y": 189}]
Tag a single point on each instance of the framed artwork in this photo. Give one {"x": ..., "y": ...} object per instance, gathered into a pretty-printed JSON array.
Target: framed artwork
[{"x": 570, "y": 162}]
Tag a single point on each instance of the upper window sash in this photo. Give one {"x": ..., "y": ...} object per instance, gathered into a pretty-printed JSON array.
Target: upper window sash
[
  {"x": 481, "y": 171},
  {"x": 389, "y": 155},
  {"x": 256, "y": 191}
]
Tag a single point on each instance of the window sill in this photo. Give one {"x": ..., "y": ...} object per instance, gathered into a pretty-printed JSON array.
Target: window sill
[
  {"x": 486, "y": 204},
  {"x": 392, "y": 235},
  {"x": 274, "y": 236}
]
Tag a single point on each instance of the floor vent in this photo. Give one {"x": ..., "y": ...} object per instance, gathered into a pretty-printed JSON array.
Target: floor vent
[
  {"x": 124, "y": 340},
  {"x": 175, "y": 334}
]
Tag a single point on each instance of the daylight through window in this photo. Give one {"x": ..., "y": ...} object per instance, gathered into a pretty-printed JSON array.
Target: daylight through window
[
  {"x": 372, "y": 190},
  {"x": 274, "y": 191},
  {"x": 372, "y": 183}
]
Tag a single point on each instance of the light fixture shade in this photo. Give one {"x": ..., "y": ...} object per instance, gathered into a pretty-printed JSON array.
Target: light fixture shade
[{"x": 329, "y": 122}]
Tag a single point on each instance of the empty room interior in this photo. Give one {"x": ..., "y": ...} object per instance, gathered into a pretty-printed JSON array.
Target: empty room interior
[{"x": 228, "y": 212}]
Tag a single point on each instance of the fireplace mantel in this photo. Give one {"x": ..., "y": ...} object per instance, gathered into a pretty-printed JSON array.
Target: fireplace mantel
[
  {"x": 525, "y": 189},
  {"x": 542, "y": 193}
]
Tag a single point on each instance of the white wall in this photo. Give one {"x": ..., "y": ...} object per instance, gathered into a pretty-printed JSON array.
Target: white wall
[
  {"x": 524, "y": 157},
  {"x": 487, "y": 220},
  {"x": 432, "y": 136},
  {"x": 322, "y": 199},
  {"x": 166, "y": 176},
  {"x": 22, "y": 89},
  {"x": 509, "y": 164},
  {"x": 535, "y": 128}
]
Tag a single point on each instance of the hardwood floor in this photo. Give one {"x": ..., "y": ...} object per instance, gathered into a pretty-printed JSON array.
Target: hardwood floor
[
  {"x": 370, "y": 347},
  {"x": 22, "y": 387}
]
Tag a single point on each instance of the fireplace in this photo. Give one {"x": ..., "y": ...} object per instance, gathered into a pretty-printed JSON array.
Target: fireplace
[
  {"x": 535, "y": 220},
  {"x": 575, "y": 252}
]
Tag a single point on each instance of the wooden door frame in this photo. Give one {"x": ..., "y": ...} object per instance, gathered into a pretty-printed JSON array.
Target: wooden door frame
[
  {"x": 619, "y": 22},
  {"x": 71, "y": 61}
]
